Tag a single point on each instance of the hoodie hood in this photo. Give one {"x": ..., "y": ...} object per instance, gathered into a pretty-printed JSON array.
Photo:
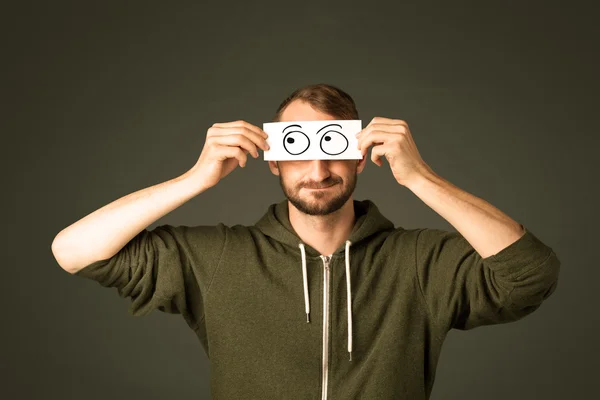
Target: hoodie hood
[{"x": 368, "y": 221}]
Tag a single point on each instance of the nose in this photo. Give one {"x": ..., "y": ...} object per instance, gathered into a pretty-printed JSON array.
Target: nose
[{"x": 318, "y": 170}]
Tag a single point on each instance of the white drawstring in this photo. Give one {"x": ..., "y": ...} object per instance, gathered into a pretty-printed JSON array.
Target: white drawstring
[
  {"x": 349, "y": 297},
  {"x": 348, "y": 291},
  {"x": 306, "y": 305}
]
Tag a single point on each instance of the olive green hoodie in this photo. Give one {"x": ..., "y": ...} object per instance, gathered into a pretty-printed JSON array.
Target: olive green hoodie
[{"x": 272, "y": 313}]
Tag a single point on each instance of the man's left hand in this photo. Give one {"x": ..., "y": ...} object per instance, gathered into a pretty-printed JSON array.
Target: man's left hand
[{"x": 392, "y": 139}]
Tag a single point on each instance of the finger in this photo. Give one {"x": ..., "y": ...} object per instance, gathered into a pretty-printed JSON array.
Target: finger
[
  {"x": 397, "y": 128},
  {"x": 387, "y": 130},
  {"x": 253, "y": 136},
  {"x": 226, "y": 152},
  {"x": 242, "y": 123},
  {"x": 379, "y": 152},
  {"x": 372, "y": 138},
  {"x": 238, "y": 140},
  {"x": 363, "y": 153},
  {"x": 366, "y": 131},
  {"x": 257, "y": 138},
  {"x": 387, "y": 121}
]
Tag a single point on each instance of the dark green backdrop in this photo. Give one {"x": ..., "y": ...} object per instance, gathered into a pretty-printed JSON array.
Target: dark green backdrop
[{"x": 105, "y": 99}]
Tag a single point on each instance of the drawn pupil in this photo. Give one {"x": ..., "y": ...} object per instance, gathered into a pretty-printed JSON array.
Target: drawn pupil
[
  {"x": 328, "y": 138},
  {"x": 290, "y": 140}
]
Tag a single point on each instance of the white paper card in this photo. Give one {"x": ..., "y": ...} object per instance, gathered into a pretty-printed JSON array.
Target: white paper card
[{"x": 313, "y": 140}]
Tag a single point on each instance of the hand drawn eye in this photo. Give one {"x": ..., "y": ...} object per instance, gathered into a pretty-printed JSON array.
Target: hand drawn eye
[
  {"x": 296, "y": 142},
  {"x": 334, "y": 143}
]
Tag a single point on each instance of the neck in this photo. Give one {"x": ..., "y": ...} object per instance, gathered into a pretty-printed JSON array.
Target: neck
[{"x": 324, "y": 233}]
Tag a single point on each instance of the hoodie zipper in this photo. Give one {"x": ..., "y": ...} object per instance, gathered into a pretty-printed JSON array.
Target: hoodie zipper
[{"x": 326, "y": 260}]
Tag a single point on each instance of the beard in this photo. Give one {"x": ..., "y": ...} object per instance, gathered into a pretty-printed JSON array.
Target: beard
[{"x": 317, "y": 202}]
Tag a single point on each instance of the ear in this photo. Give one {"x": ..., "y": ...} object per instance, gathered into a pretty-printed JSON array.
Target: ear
[
  {"x": 274, "y": 167},
  {"x": 360, "y": 165}
]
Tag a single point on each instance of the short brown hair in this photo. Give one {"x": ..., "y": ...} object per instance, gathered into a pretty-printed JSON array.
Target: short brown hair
[{"x": 326, "y": 98}]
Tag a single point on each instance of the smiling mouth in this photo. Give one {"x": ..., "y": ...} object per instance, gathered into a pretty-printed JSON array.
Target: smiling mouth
[{"x": 323, "y": 188}]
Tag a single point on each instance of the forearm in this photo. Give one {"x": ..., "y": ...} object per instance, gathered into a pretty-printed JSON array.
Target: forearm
[
  {"x": 484, "y": 226},
  {"x": 104, "y": 232}
]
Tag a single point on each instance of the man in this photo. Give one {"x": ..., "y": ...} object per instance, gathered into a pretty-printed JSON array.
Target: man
[{"x": 323, "y": 297}]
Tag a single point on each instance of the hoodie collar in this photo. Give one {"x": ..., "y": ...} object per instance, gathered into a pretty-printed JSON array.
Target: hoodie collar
[{"x": 368, "y": 221}]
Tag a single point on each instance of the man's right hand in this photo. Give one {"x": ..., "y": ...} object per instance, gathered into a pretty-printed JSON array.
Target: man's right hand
[{"x": 226, "y": 147}]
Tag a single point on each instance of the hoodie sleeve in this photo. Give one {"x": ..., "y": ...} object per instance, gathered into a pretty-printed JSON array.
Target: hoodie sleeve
[
  {"x": 168, "y": 268},
  {"x": 464, "y": 291}
]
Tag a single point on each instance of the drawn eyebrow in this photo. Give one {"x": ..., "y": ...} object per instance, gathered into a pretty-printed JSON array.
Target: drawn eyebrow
[
  {"x": 327, "y": 126},
  {"x": 289, "y": 126}
]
